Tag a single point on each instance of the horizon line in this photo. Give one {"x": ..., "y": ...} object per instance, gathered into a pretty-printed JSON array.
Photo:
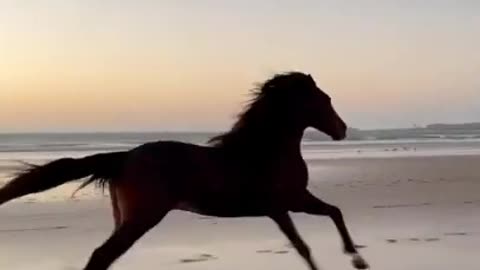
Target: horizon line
[{"x": 207, "y": 131}]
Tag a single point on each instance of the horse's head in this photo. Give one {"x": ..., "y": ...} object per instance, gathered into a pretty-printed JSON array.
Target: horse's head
[
  {"x": 320, "y": 112},
  {"x": 306, "y": 104},
  {"x": 288, "y": 101}
]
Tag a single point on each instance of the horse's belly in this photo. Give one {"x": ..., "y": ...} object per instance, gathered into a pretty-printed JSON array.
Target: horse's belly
[{"x": 227, "y": 208}]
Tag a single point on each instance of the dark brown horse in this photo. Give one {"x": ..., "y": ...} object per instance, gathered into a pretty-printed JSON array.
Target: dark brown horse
[{"x": 255, "y": 169}]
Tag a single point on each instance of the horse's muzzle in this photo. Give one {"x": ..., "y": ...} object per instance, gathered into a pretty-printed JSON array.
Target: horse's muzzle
[
  {"x": 340, "y": 131},
  {"x": 339, "y": 137}
]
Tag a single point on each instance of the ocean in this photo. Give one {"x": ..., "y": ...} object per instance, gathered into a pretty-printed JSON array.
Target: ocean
[{"x": 40, "y": 148}]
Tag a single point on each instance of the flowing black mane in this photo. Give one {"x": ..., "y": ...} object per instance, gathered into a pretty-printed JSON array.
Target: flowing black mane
[{"x": 268, "y": 100}]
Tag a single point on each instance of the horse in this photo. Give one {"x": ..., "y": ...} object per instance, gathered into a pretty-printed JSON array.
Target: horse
[{"x": 255, "y": 169}]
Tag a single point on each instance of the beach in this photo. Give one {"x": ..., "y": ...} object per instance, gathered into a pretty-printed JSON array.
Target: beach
[{"x": 406, "y": 212}]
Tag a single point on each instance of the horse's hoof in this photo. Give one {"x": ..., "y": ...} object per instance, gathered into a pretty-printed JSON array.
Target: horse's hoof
[{"x": 359, "y": 263}]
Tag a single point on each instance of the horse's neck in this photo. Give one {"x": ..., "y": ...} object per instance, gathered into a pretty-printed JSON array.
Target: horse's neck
[
  {"x": 276, "y": 145},
  {"x": 264, "y": 141},
  {"x": 288, "y": 144}
]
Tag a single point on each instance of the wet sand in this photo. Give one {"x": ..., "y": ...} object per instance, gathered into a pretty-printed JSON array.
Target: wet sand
[{"x": 409, "y": 213}]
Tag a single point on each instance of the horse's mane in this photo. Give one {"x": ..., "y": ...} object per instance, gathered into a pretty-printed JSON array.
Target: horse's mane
[{"x": 255, "y": 118}]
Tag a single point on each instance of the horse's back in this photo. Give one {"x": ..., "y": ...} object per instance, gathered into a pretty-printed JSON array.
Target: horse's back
[{"x": 178, "y": 166}]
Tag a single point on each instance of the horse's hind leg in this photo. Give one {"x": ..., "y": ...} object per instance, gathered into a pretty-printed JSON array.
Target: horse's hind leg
[
  {"x": 117, "y": 217},
  {"x": 122, "y": 239},
  {"x": 312, "y": 205},
  {"x": 140, "y": 208},
  {"x": 285, "y": 223}
]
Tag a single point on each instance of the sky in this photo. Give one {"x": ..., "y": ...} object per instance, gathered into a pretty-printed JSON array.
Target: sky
[{"x": 87, "y": 65}]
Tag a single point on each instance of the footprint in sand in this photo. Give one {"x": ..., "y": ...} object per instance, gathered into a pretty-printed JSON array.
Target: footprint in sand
[
  {"x": 401, "y": 205},
  {"x": 35, "y": 229},
  {"x": 471, "y": 202},
  {"x": 269, "y": 251},
  {"x": 415, "y": 239},
  {"x": 456, "y": 234},
  {"x": 433, "y": 239},
  {"x": 264, "y": 251},
  {"x": 199, "y": 258}
]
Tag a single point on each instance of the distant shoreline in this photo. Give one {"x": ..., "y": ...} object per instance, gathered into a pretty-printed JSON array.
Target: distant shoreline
[{"x": 437, "y": 130}]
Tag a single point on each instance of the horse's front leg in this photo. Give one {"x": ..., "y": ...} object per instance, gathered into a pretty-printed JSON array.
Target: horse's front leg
[{"x": 312, "y": 205}]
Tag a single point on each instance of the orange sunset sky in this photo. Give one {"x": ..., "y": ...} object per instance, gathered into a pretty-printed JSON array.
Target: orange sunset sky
[{"x": 187, "y": 65}]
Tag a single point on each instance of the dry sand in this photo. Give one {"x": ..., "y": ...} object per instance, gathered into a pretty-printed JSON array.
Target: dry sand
[{"x": 416, "y": 213}]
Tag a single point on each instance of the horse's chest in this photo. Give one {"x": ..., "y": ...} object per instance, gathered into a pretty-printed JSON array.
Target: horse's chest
[{"x": 290, "y": 175}]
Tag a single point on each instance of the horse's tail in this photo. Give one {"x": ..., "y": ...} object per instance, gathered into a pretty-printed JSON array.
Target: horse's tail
[{"x": 34, "y": 178}]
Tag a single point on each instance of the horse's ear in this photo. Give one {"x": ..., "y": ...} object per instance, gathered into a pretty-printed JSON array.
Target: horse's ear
[{"x": 310, "y": 76}]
